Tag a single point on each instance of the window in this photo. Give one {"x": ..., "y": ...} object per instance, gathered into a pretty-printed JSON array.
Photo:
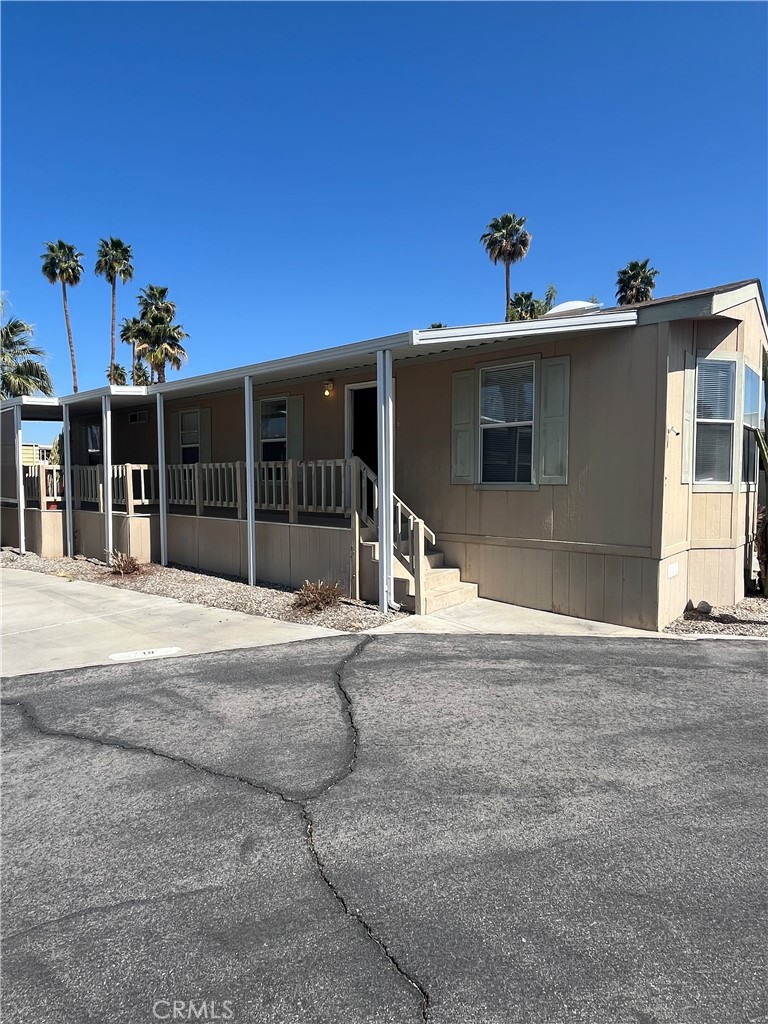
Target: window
[
  {"x": 140, "y": 416},
  {"x": 274, "y": 429},
  {"x": 753, "y": 406},
  {"x": 506, "y": 424},
  {"x": 93, "y": 443},
  {"x": 715, "y": 391},
  {"x": 189, "y": 435}
]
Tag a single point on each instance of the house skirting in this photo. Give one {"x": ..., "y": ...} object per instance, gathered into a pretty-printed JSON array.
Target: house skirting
[
  {"x": 137, "y": 535},
  {"x": 286, "y": 554},
  {"x": 43, "y": 529}
]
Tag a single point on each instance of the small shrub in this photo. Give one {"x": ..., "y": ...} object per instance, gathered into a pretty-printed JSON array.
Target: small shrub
[
  {"x": 317, "y": 596},
  {"x": 124, "y": 564}
]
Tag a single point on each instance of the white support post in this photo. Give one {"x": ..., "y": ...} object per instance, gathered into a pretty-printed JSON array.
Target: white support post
[
  {"x": 106, "y": 446},
  {"x": 69, "y": 486},
  {"x": 250, "y": 497},
  {"x": 20, "y": 502},
  {"x": 386, "y": 478},
  {"x": 162, "y": 493}
]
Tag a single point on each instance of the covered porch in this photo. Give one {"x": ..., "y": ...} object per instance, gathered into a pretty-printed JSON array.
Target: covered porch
[{"x": 143, "y": 474}]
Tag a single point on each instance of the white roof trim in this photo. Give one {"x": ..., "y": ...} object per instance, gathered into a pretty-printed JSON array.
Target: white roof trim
[
  {"x": 50, "y": 400},
  {"x": 484, "y": 333},
  {"x": 114, "y": 390}
]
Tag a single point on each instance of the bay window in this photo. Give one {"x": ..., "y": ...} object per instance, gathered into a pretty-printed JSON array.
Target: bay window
[
  {"x": 753, "y": 407},
  {"x": 715, "y": 407}
]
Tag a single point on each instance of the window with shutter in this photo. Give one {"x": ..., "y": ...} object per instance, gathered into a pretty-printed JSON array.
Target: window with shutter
[
  {"x": 273, "y": 423},
  {"x": 506, "y": 424},
  {"x": 753, "y": 410},
  {"x": 715, "y": 402}
]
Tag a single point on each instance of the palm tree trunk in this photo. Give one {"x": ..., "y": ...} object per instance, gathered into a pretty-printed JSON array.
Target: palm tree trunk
[
  {"x": 69, "y": 338},
  {"x": 112, "y": 337},
  {"x": 161, "y": 373},
  {"x": 133, "y": 362},
  {"x": 508, "y": 293}
]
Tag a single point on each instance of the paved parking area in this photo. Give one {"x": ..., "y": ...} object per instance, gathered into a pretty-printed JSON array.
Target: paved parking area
[{"x": 390, "y": 829}]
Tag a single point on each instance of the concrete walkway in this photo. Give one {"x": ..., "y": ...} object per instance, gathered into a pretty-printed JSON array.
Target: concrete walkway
[
  {"x": 482, "y": 616},
  {"x": 50, "y": 623}
]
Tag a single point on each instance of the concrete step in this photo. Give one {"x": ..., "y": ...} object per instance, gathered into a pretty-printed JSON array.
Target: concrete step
[
  {"x": 438, "y": 579},
  {"x": 435, "y": 559},
  {"x": 448, "y": 597}
]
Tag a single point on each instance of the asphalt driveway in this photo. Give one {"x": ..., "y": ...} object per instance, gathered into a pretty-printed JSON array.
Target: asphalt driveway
[{"x": 398, "y": 829}]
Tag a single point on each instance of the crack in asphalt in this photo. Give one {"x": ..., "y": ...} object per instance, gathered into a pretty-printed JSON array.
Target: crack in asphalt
[
  {"x": 109, "y": 908},
  {"x": 302, "y": 804}
]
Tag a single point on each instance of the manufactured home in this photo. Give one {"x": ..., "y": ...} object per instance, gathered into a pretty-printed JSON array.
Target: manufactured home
[{"x": 595, "y": 462}]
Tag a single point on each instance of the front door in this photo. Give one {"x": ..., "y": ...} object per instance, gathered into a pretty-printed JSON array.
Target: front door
[{"x": 363, "y": 425}]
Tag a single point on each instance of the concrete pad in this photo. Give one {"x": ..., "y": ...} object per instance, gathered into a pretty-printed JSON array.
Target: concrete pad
[
  {"x": 51, "y": 623},
  {"x": 483, "y": 616}
]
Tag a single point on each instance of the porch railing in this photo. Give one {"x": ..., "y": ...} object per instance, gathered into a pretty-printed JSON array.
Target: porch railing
[
  {"x": 322, "y": 486},
  {"x": 134, "y": 485},
  {"x": 43, "y": 485},
  {"x": 409, "y": 533}
]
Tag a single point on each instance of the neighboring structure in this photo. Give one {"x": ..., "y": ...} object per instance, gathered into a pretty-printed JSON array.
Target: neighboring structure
[
  {"x": 32, "y": 454},
  {"x": 599, "y": 464}
]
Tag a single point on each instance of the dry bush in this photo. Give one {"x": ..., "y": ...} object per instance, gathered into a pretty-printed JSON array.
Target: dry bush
[
  {"x": 124, "y": 564},
  {"x": 317, "y": 596}
]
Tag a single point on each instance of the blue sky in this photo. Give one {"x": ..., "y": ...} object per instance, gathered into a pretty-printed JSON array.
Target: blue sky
[{"x": 305, "y": 175}]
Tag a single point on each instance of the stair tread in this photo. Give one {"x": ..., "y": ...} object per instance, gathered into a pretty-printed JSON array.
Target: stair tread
[{"x": 460, "y": 585}]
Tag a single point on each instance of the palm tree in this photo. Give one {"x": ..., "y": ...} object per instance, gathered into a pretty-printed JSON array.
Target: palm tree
[
  {"x": 21, "y": 372},
  {"x": 523, "y": 306},
  {"x": 635, "y": 283},
  {"x": 131, "y": 334},
  {"x": 506, "y": 241},
  {"x": 61, "y": 262},
  {"x": 140, "y": 375},
  {"x": 117, "y": 374},
  {"x": 159, "y": 339},
  {"x": 113, "y": 261}
]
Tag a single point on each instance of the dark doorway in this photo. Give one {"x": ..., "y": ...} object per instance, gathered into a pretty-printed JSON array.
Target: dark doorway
[{"x": 364, "y": 430}]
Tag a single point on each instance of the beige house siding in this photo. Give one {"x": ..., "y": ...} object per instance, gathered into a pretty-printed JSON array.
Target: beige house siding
[
  {"x": 583, "y": 548},
  {"x": 705, "y": 531}
]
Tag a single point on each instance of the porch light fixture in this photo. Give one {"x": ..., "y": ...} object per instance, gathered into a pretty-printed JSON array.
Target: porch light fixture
[{"x": 328, "y": 386}]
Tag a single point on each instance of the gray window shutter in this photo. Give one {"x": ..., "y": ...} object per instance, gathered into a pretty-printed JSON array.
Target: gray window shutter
[
  {"x": 463, "y": 429},
  {"x": 553, "y": 442},
  {"x": 295, "y": 446},
  {"x": 205, "y": 435},
  {"x": 174, "y": 439},
  {"x": 689, "y": 394}
]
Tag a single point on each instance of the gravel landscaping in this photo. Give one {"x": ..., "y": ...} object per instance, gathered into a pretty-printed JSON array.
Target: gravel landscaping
[
  {"x": 197, "y": 587},
  {"x": 748, "y": 618}
]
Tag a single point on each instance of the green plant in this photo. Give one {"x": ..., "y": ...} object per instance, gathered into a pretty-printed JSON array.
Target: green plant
[
  {"x": 61, "y": 263},
  {"x": 157, "y": 339},
  {"x": 124, "y": 564},
  {"x": 317, "y": 596},
  {"x": 21, "y": 369},
  {"x": 113, "y": 261},
  {"x": 506, "y": 241},
  {"x": 635, "y": 283}
]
